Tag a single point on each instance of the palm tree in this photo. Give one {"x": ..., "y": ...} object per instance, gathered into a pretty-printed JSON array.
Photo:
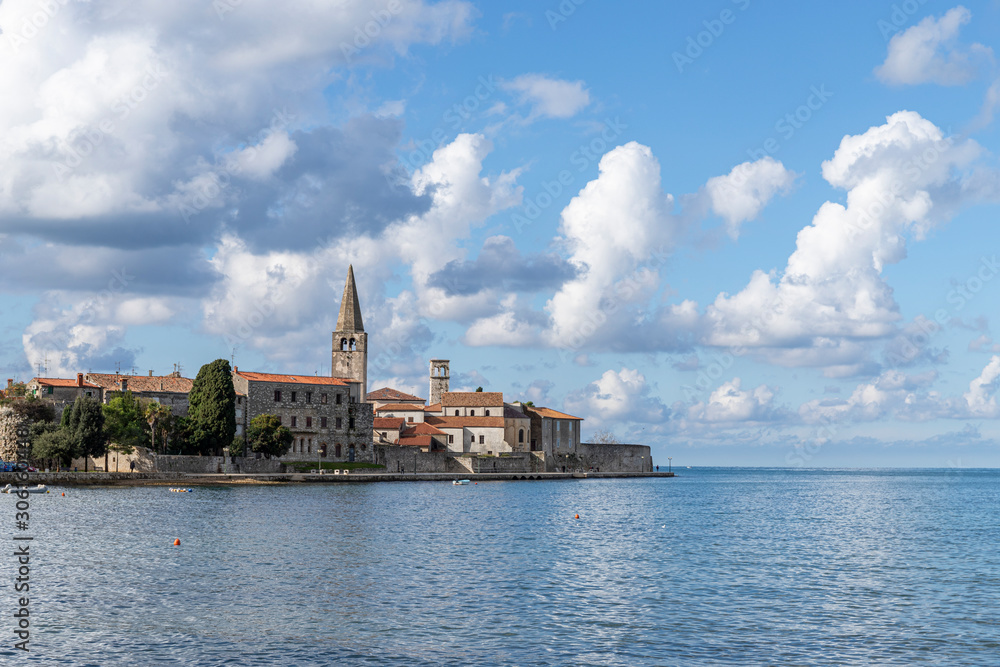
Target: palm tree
[{"x": 156, "y": 412}]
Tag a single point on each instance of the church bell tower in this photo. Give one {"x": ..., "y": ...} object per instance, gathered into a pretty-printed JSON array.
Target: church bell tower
[{"x": 350, "y": 342}]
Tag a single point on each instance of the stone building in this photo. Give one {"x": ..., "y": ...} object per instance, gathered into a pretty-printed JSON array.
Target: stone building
[
  {"x": 553, "y": 432},
  {"x": 439, "y": 379},
  {"x": 387, "y": 396},
  {"x": 62, "y": 392},
  {"x": 349, "y": 357},
  {"x": 171, "y": 390},
  {"x": 326, "y": 416}
]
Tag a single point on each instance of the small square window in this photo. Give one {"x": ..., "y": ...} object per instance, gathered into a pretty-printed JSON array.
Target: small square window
[
  {"x": 309, "y": 422},
  {"x": 322, "y": 422},
  {"x": 322, "y": 399},
  {"x": 409, "y": 419},
  {"x": 338, "y": 399},
  {"x": 309, "y": 397},
  {"x": 293, "y": 421},
  {"x": 451, "y": 439},
  {"x": 293, "y": 397},
  {"x": 482, "y": 439},
  {"x": 350, "y": 423},
  {"x": 340, "y": 423},
  {"x": 277, "y": 396}
]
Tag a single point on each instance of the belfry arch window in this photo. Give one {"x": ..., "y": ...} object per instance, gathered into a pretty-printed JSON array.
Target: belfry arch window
[
  {"x": 343, "y": 344},
  {"x": 354, "y": 345}
]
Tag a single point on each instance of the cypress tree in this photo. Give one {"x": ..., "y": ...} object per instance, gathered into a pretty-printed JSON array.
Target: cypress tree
[{"x": 212, "y": 408}]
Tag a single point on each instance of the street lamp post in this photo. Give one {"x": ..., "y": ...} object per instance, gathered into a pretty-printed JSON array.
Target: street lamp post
[{"x": 669, "y": 461}]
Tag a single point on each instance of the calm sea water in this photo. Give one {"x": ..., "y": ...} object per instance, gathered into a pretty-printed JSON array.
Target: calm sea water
[{"x": 716, "y": 566}]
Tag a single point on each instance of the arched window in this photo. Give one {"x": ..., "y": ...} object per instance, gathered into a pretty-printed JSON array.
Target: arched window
[
  {"x": 354, "y": 345},
  {"x": 520, "y": 435},
  {"x": 343, "y": 344},
  {"x": 487, "y": 413},
  {"x": 472, "y": 413}
]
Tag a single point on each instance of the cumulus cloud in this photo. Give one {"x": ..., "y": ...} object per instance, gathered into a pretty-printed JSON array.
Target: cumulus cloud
[
  {"x": 929, "y": 53},
  {"x": 548, "y": 97},
  {"x": 902, "y": 178},
  {"x": 500, "y": 266},
  {"x": 981, "y": 397},
  {"x": 730, "y": 403},
  {"x": 741, "y": 195},
  {"x": 617, "y": 397}
]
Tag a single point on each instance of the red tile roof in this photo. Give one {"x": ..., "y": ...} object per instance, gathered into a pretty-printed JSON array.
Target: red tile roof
[
  {"x": 472, "y": 399},
  {"x": 60, "y": 382},
  {"x": 463, "y": 422},
  {"x": 388, "y": 394},
  {"x": 400, "y": 407},
  {"x": 433, "y": 408},
  {"x": 295, "y": 379},
  {"x": 421, "y": 428},
  {"x": 553, "y": 414},
  {"x": 142, "y": 383},
  {"x": 416, "y": 441},
  {"x": 389, "y": 423}
]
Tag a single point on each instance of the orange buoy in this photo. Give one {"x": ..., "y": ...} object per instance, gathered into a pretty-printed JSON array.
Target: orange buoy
[
  {"x": 177, "y": 542},
  {"x": 64, "y": 494},
  {"x": 577, "y": 516}
]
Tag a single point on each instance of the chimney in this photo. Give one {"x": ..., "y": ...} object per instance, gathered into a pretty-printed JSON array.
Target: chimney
[
  {"x": 150, "y": 373},
  {"x": 10, "y": 382},
  {"x": 79, "y": 379},
  {"x": 124, "y": 384}
]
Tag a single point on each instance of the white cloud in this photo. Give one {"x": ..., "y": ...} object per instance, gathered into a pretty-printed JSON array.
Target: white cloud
[
  {"x": 743, "y": 193},
  {"x": 981, "y": 397},
  {"x": 902, "y": 178},
  {"x": 617, "y": 397},
  {"x": 928, "y": 53},
  {"x": 730, "y": 403},
  {"x": 549, "y": 98}
]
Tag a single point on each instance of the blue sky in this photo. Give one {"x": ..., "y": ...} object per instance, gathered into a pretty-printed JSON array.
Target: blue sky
[{"x": 741, "y": 232}]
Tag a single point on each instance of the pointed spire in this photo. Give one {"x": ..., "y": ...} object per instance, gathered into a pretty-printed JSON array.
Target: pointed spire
[{"x": 350, "y": 306}]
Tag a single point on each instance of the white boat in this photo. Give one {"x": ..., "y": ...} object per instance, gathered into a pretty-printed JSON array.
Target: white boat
[
  {"x": 41, "y": 488},
  {"x": 459, "y": 482}
]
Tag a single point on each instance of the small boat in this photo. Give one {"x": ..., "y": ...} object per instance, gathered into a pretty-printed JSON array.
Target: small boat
[
  {"x": 182, "y": 490},
  {"x": 41, "y": 488},
  {"x": 459, "y": 482}
]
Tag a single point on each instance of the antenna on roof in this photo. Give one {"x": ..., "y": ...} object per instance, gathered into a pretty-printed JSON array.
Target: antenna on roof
[
  {"x": 118, "y": 368},
  {"x": 232, "y": 358}
]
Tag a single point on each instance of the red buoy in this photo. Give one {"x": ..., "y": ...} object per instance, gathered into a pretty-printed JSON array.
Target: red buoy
[
  {"x": 177, "y": 542},
  {"x": 577, "y": 516}
]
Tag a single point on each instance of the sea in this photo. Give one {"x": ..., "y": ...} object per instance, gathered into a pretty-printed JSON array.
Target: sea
[{"x": 716, "y": 566}]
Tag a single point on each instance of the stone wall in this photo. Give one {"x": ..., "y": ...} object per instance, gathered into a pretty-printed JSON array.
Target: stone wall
[
  {"x": 616, "y": 458},
  {"x": 191, "y": 464},
  {"x": 410, "y": 459}
]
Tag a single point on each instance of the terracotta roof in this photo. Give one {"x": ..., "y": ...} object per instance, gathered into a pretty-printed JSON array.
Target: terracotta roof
[
  {"x": 389, "y": 423},
  {"x": 60, "y": 382},
  {"x": 142, "y": 383},
  {"x": 472, "y": 399},
  {"x": 416, "y": 441},
  {"x": 400, "y": 407},
  {"x": 387, "y": 394},
  {"x": 294, "y": 379},
  {"x": 462, "y": 422},
  {"x": 421, "y": 428},
  {"x": 433, "y": 408},
  {"x": 553, "y": 414}
]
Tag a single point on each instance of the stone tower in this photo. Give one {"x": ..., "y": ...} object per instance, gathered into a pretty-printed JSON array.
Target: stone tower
[
  {"x": 439, "y": 379},
  {"x": 350, "y": 342}
]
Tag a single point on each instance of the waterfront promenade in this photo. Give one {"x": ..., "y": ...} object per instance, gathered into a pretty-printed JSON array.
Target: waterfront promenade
[{"x": 203, "y": 479}]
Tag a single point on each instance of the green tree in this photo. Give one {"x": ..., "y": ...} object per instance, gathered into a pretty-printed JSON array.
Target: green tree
[
  {"x": 54, "y": 443},
  {"x": 86, "y": 428},
  {"x": 212, "y": 408},
  {"x": 479, "y": 389},
  {"x": 238, "y": 448},
  {"x": 268, "y": 437},
  {"x": 125, "y": 424},
  {"x": 156, "y": 414},
  {"x": 34, "y": 409}
]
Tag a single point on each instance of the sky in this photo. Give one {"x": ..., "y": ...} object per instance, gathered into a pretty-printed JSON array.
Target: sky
[{"x": 742, "y": 233}]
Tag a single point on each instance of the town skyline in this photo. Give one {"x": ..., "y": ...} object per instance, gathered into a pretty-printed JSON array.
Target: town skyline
[{"x": 779, "y": 260}]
